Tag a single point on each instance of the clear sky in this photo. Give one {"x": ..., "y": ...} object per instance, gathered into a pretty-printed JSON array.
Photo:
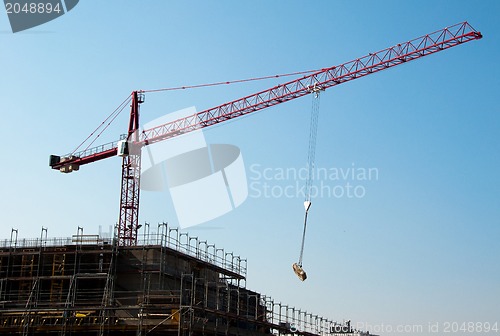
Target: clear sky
[{"x": 418, "y": 245}]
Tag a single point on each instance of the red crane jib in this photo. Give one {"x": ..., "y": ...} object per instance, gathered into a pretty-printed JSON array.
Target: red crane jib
[
  {"x": 373, "y": 62},
  {"x": 129, "y": 149}
]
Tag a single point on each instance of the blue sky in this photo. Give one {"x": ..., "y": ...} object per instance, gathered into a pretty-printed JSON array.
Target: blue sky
[{"x": 420, "y": 246}]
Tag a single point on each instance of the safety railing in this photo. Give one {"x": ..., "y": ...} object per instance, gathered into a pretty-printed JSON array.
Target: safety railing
[{"x": 167, "y": 237}]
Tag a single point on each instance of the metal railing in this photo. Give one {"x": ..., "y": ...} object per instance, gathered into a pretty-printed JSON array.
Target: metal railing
[
  {"x": 173, "y": 238},
  {"x": 166, "y": 237}
]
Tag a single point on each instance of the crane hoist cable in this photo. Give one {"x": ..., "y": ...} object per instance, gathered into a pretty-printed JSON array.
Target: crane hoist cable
[{"x": 311, "y": 157}]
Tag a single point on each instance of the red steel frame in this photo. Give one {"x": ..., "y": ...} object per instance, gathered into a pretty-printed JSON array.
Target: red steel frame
[
  {"x": 325, "y": 78},
  {"x": 374, "y": 62},
  {"x": 130, "y": 186}
]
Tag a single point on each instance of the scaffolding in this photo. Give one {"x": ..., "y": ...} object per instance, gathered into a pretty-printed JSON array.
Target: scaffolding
[{"x": 170, "y": 283}]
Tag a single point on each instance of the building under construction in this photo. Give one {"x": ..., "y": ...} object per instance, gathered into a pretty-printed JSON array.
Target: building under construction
[{"x": 170, "y": 283}]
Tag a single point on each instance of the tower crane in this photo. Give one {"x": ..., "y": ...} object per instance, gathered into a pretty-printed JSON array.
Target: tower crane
[{"x": 130, "y": 148}]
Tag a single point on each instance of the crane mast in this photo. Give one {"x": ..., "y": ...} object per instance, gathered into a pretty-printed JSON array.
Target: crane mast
[
  {"x": 323, "y": 79},
  {"x": 131, "y": 172}
]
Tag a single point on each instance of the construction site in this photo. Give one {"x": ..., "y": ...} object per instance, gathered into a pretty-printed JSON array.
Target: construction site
[{"x": 170, "y": 283}]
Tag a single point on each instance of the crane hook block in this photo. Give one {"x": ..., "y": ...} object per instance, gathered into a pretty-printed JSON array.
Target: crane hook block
[{"x": 299, "y": 271}]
